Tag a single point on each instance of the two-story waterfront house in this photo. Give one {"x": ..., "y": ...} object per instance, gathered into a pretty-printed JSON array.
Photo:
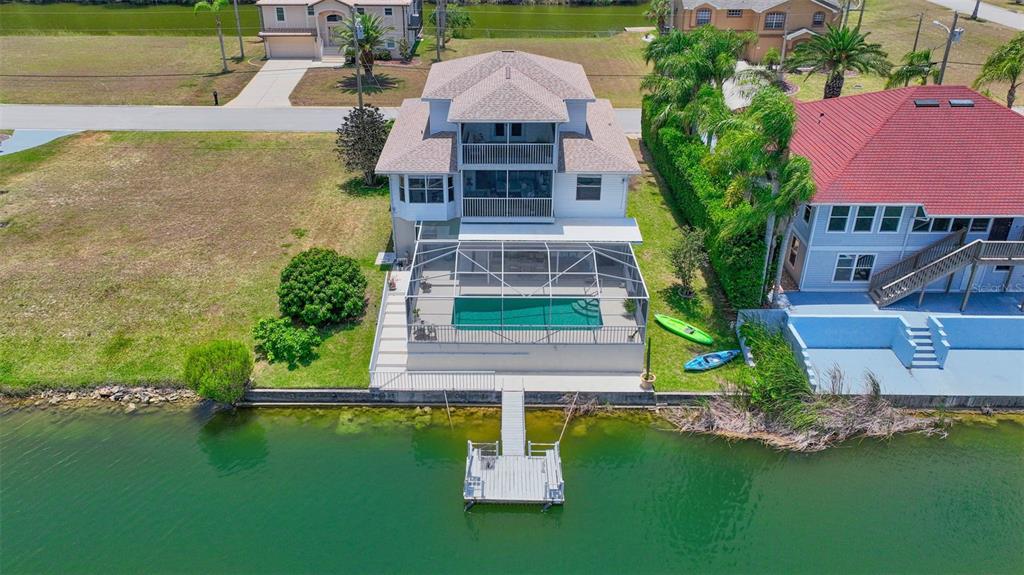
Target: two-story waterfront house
[
  {"x": 918, "y": 189},
  {"x": 508, "y": 196},
  {"x": 305, "y": 28},
  {"x": 776, "y": 22}
]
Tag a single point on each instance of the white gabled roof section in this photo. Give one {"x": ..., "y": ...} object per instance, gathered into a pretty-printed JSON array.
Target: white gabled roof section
[{"x": 562, "y": 230}]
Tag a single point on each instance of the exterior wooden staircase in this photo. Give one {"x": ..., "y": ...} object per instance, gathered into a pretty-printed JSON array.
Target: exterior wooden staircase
[{"x": 941, "y": 259}]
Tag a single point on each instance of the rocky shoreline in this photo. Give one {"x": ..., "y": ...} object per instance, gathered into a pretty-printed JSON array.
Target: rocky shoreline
[{"x": 129, "y": 398}]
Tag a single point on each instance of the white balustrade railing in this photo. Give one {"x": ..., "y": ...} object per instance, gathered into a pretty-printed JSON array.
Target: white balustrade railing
[
  {"x": 508, "y": 153},
  {"x": 386, "y": 380},
  {"x": 506, "y": 207},
  {"x": 509, "y": 334}
]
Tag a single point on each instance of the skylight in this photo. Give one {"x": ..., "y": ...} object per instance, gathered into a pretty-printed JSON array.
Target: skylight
[
  {"x": 926, "y": 103},
  {"x": 961, "y": 103}
]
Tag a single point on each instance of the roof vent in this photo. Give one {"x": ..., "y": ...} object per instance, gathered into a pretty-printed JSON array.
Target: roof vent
[
  {"x": 961, "y": 103},
  {"x": 926, "y": 103},
  {"x": 508, "y": 51},
  {"x": 508, "y": 72}
]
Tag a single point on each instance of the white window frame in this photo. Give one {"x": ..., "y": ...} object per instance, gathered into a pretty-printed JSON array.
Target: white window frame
[
  {"x": 700, "y": 15},
  {"x": 775, "y": 21},
  {"x": 846, "y": 220},
  {"x": 360, "y": 10},
  {"x": 794, "y": 251},
  {"x": 818, "y": 19},
  {"x": 854, "y": 267},
  {"x": 920, "y": 218},
  {"x": 310, "y": 10},
  {"x": 279, "y": 14},
  {"x": 988, "y": 225},
  {"x": 857, "y": 216},
  {"x": 807, "y": 213},
  {"x": 426, "y": 189},
  {"x": 733, "y": 13},
  {"x": 945, "y": 228},
  {"x": 389, "y": 43},
  {"x": 389, "y": 11},
  {"x": 588, "y": 187},
  {"x": 898, "y": 217}
]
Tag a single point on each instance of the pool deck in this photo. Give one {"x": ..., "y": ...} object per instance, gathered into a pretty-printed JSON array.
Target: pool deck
[{"x": 967, "y": 372}]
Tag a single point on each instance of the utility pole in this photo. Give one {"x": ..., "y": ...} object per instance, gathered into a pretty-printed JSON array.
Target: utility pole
[
  {"x": 357, "y": 31},
  {"x": 917, "y": 36},
  {"x": 238, "y": 27},
  {"x": 977, "y": 5},
  {"x": 671, "y": 16},
  {"x": 846, "y": 14},
  {"x": 782, "y": 54},
  {"x": 860, "y": 16},
  {"x": 439, "y": 17},
  {"x": 949, "y": 44}
]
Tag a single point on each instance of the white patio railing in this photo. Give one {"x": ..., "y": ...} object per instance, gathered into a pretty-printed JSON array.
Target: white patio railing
[
  {"x": 510, "y": 334},
  {"x": 508, "y": 153},
  {"x": 506, "y": 207}
]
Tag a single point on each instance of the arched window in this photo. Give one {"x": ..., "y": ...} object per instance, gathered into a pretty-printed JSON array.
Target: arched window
[
  {"x": 819, "y": 19},
  {"x": 333, "y": 18},
  {"x": 703, "y": 16}
]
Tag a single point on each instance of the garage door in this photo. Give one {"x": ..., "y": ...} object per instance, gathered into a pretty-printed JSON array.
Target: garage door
[{"x": 291, "y": 47}]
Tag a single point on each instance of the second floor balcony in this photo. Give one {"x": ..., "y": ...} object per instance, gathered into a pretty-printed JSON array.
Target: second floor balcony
[
  {"x": 510, "y": 143},
  {"x": 506, "y": 194}
]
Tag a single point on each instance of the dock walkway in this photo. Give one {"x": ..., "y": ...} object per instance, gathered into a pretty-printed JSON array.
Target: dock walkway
[{"x": 513, "y": 470}]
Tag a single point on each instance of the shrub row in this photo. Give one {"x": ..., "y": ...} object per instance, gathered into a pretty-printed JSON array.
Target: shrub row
[{"x": 700, "y": 197}]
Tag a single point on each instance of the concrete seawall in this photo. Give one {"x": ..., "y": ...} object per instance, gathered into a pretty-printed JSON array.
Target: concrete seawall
[{"x": 311, "y": 397}]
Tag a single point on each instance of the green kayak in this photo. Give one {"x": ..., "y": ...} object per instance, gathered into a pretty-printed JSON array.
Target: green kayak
[{"x": 683, "y": 329}]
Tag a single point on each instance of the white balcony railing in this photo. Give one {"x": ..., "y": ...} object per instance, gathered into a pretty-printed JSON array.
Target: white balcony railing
[
  {"x": 508, "y": 153},
  {"x": 506, "y": 207}
]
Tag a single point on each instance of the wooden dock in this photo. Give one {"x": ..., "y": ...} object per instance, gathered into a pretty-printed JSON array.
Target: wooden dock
[{"x": 513, "y": 470}]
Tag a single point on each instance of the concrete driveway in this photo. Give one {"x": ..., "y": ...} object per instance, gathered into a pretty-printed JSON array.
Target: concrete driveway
[
  {"x": 985, "y": 12},
  {"x": 272, "y": 85}
]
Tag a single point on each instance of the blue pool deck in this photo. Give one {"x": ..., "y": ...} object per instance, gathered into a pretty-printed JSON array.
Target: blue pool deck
[{"x": 981, "y": 355}]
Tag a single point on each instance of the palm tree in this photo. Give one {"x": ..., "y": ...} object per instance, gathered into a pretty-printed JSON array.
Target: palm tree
[
  {"x": 836, "y": 52},
  {"x": 917, "y": 66},
  {"x": 754, "y": 150},
  {"x": 215, "y": 7},
  {"x": 684, "y": 63},
  {"x": 659, "y": 12},
  {"x": 1006, "y": 64},
  {"x": 374, "y": 31}
]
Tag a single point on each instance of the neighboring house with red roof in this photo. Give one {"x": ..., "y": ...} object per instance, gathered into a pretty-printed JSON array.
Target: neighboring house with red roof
[
  {"x": 896, "y": 172},
  {"x": 509, "y": 183}
]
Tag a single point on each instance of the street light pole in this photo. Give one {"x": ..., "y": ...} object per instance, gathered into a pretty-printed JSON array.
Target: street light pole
[
  {"x": 917, "y": 36},
  {"x": 356, "y": 28},
  {"x": 949, "y": 44},
  {"x": 977, "y": 5},
  {"x": 238, "y": 27}
]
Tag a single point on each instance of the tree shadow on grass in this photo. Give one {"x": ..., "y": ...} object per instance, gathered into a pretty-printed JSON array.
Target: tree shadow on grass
[
  {"x": 356, "y": 187},
  {"x": 376, "y": 84}
]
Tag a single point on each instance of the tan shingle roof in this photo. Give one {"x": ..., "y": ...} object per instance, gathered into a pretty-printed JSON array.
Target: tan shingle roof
[
  {"x": 410, "y": 149},
  {"x": 507, "y": 95},
  {"x": 604, "y": 148},
  {"x": 564, "y": 80}
]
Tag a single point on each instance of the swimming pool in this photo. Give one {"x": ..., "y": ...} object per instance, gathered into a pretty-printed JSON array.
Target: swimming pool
[{"x": 526, "y": 313}]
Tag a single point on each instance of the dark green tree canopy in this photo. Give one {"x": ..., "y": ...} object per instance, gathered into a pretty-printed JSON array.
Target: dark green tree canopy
[
  {"x": 320, "y": 287},
  {"x": 361, "y": 139}
]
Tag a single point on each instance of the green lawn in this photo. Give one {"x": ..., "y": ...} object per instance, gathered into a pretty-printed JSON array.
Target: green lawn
[
  {"x": 615, "y": 66},
  {"x": 649, "y": 203},
  {"x": 74, "y": 69},
  {"x": 893, "y": 23},
  {"x": 120, "y": 18},
  {"x": 123, "y": 249}
]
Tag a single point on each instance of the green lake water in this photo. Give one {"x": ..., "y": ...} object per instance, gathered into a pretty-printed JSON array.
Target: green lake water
[
  {"x": 360, "y": 491},
  {"x": 489, "y": 20}
]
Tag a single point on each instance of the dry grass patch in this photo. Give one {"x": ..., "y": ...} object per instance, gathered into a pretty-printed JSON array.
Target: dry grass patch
[
  {"x": 123, "y": 249},
  {"x": 121, "y": 69},
  {"x": 614, "y": 65}
]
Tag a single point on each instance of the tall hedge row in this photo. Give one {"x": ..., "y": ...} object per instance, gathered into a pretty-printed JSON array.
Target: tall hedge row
[{"x": 738, "y": 261}]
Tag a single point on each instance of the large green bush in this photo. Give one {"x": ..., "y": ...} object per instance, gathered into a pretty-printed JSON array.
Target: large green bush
[
  {"x": 280, "y": 340},
  {"x": 739, "y": 259},
  {"x": 219, "y": 370},
  {"x": 320, "y": 287}
]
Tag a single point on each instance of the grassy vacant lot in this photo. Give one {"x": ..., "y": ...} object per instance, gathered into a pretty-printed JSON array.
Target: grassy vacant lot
[
  {"x": 650, "y": 203},
  {"x": 121, "y": 69},
  {"x": 892, "y": 23},
  {"x": 615, "y": 66},
  {"x": 119, "y": 18},
  {"x": 123, "y": 249}
]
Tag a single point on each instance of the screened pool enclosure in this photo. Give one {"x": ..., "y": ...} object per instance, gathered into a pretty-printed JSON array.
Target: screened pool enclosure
[{"x": 524, "y": 292}]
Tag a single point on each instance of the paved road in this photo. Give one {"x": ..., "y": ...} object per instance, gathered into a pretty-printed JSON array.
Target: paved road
[
  {"x": 200, "y": 118},
  {"x": 986, "y": 12}
]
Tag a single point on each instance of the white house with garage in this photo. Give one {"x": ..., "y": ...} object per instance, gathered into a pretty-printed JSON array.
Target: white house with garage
[
  {"x": 304, "y": 29},
  {"x": 508, "y": 182}
]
